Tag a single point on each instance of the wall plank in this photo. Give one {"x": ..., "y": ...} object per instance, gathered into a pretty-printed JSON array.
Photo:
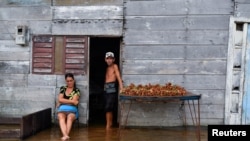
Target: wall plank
[
  {"x": 157, "y": 52},
  {"x": 87, "y": 27},
  {"x": 13, "y": 80},
  {"x": 17, "y": 107},
  {"x": 10, "y": 46},
  {"x": 162, "y": 23},
  {"x": 14, "y": 56},
  {"x": 26, "y": 99},
  {"x": 144, "y": 67},
  {"x": 13, "y": 67},
  {"x": 41, "y": 80},
  {"x": 242, "y": 1},
  {"x": 40, "y": 27},
  {"x": 88, "y": 12},
  {"x": 28, "y": 93},
  {"x": 83, "y": 112},
  {"x": 86, "y": 2},
  {"x": 25, "y": 3},
  {"x": 5, "y": 36},
  {"x": 35, "y": 27},
  {"x": 178, "y": 7},
  {"x": 9, "y": 27},
  {"x": 202, "y": 37},
  {"x": 91, "y": 20},
  {"x": 209, "y": 97},
  {"x": 26, "y": 13},
  {"x": 191, "y": 82},
  {"x": 242, "y": 10}
]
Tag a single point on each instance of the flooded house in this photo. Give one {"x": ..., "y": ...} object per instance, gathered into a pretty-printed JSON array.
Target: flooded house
[{"x": 201, "y": 45}]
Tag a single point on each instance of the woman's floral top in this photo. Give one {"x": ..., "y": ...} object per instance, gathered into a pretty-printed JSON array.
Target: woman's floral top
[{"x": 75, "y": 91}]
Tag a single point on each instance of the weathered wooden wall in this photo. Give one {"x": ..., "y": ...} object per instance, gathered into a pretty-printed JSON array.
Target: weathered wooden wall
[
  {"x": 88, "y": 17},
  {"x": 22, "y": 91},
  {"x": 88, "y": 20},
  {"x": 86, "y": 2},
  {"x": 178, "y": 41},
  {"x": 242, "y": 8}
]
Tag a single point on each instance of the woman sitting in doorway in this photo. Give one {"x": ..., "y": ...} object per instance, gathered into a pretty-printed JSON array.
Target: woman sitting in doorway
[{"x": 68, "y": 100}]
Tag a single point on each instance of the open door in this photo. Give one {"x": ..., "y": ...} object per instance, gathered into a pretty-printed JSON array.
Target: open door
[{"x": 98, "y": 47}]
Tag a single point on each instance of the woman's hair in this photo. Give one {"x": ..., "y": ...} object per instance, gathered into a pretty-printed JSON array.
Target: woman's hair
[
  {"x": 72, "y": 76},
  {"x": 69, "y": 75}
]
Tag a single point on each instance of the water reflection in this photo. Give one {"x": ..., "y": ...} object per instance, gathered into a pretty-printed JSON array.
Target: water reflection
[{"x": 100, "y": 134}]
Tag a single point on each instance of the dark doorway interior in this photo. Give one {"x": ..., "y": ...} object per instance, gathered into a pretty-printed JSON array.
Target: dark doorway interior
[{"x": 98, "y": 47}]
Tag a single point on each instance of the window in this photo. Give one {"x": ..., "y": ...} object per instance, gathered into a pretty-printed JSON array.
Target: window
[{"x": 59, "y": 54}]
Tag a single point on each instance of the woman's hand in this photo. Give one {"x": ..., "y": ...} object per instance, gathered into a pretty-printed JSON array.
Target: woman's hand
[
  {"x": 75, "y": 102},
  {"x": 58, "y": 104}
]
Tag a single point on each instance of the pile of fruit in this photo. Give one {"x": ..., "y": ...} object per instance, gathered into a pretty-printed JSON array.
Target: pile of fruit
[{"x": 153, "y": 90}]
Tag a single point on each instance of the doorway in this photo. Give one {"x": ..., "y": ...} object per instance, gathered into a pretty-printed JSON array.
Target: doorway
[{"x": 98, "y": 46}]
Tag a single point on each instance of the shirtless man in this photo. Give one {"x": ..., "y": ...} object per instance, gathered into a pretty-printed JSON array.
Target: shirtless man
[{"x": 112, "y": 75}]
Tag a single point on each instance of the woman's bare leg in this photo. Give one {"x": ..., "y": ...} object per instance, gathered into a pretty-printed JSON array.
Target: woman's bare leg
[
  {"x": 62, "y": 124},
  {"x": 70, "y": 119}
]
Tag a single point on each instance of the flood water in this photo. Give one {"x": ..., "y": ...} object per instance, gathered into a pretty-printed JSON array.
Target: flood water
[{"x": 98, "y": 133}]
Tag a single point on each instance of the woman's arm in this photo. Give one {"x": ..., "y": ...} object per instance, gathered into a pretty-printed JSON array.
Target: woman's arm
[{"x": 73, "y": 101}]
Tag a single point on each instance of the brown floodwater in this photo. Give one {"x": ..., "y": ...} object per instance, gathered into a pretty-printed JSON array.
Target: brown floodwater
[{"x": 98, "y": 133}]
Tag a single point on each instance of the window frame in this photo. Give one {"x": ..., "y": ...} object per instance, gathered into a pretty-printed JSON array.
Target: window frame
[{"x": 71, "y": 45}]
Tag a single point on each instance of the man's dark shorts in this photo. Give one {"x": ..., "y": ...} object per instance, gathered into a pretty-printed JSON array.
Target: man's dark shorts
[
  {"x": 109, "y": 96},
  {"x": 109, "y": 101}
]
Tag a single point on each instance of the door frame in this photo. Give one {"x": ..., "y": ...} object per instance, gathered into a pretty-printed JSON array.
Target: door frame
[{"x": 235, "y": 100}]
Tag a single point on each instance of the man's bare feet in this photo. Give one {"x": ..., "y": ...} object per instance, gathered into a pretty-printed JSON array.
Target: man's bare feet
[{"x": 108, "y": 126}]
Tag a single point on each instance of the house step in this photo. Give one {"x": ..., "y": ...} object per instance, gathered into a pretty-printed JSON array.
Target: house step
[{"x": 9, "y": 131}]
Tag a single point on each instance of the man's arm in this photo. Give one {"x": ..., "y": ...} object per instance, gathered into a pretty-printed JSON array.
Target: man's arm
[{"x": 118, "y": 77}]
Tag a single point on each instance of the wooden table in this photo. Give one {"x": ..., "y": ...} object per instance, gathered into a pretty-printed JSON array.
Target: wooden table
[{"x": 189, "y": 98}]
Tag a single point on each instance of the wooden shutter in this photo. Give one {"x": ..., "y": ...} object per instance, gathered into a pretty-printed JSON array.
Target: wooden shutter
[
  {"x": 43, "y": 55},
  {"x": 76, "y": 54}
]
